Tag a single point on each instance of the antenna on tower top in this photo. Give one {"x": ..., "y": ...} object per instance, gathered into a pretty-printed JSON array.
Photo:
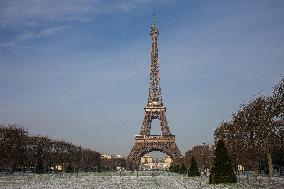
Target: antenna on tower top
[{"x": 154, "y": 19}]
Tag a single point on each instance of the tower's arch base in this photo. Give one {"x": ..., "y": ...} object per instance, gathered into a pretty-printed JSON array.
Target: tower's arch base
[{"x": 145, "y": 144}]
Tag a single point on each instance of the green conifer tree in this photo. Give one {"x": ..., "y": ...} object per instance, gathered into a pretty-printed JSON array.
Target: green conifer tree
[
  {"x": 69, "y": 168},
  {"x": 193, "y": 170},
  {"x": 222, "y": 169},
  {"x": 182, "y": 169},
  {"x": 178, "y": 168},
  {"x": 39, "y": 168}
]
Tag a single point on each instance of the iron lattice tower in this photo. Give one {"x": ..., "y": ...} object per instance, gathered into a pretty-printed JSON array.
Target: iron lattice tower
[{"x": 155, "y": 109}]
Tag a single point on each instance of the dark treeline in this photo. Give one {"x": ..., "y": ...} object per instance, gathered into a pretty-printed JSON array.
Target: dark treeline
[
  {"x": 255, "y": 134},
  {"x": 115, "y": 164},
  {"x": 20, "y": 151}
]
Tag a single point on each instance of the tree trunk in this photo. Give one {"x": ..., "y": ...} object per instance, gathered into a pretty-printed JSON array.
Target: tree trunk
[
  {"x": 255, "y": 171},
  {"x": 11, "y": 167},
  {"x": 270, "y": 168}
]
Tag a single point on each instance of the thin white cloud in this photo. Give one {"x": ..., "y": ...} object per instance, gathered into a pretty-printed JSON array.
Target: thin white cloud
[
  {"x": 39, "y": 34},
  {"x": 32, "y": 16},
  {"x": 30, "y": 34},
  {"x": 32, "y": 12},
  {"x": 14, "y": 13}
]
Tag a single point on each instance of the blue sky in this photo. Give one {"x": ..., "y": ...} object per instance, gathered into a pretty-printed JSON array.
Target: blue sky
[{"x": 79, "y": 70}]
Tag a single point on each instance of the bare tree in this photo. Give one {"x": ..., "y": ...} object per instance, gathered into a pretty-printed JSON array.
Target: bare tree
[
  {"x": 255, "y": 131},
  {"x": 13, "y": 147},
  {"x": 203, "y": 155}
]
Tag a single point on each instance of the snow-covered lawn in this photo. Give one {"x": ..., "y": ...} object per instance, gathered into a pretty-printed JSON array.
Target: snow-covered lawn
[{"x": 128, "y": 180}]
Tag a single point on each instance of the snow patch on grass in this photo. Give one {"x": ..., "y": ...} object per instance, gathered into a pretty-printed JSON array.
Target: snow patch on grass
[{"x": 112, "y": 180}]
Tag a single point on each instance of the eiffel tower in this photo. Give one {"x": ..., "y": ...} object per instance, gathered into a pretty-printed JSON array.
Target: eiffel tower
[{"x": 155, "y": 109}]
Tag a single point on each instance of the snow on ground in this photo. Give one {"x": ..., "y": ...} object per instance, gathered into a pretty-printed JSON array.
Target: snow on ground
[
  {"x": 113, "y": 180},
  {"x": 264, "y": 181}
]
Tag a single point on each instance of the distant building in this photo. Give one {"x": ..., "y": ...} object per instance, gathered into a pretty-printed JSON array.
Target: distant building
[
  {"x": 58, "y": 168},
  {"x": 116, "y": 156},
  {"x": 105, "y": 156},
  {"x": 146, "y": 159},
  {"x": 241, "y": 168},
  {"x": 167, "y": 162},
  {"x": 148, "y": 163}
]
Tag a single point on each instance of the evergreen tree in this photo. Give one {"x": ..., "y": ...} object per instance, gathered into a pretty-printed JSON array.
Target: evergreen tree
[
  {"x": 39, "y": 168},
  {"x": 182, "y": 169},
  {"x": 174, "y": 168},
  {"x": 222, "y": 168},
  {"x": 193, "y": 171},
  {"x": 69, "y": 168},
  {"x": 178, "y": 168}
]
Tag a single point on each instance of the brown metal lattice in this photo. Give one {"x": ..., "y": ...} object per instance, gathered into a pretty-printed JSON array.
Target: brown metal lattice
[{"x": 145, "y": 142}]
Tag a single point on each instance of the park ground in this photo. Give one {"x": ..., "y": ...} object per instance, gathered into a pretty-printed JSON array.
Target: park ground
[{"x": 128, "y": 180}]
